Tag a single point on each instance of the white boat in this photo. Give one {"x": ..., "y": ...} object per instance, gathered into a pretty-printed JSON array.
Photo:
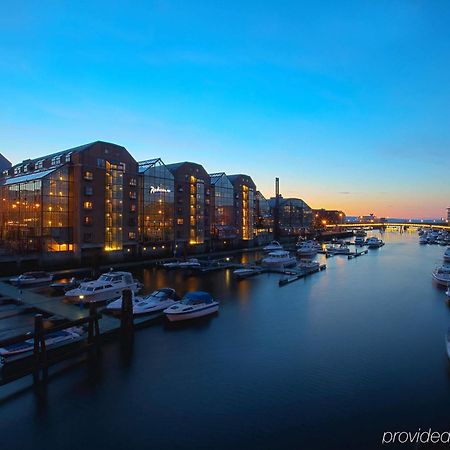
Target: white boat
[
  {"x": 190, "y": 264},
  {"x": 374, "y": 242},
  {"x": 442, "y": 275},
  {"x": 308, "y": 248},
  {"x": 359, "y": 240},
  {"x": 280, "y": 259},
  {"x": 274, "y": 245},
  {"x": 28, "y": 278},
  {"x": 155, "y": 302},
  {"x": 108, "y": 287},
  {"x": 247, "y": 272},
  {"x": 340, "y": 249},
  {"x": 308, "y": 264},
  {"x": 51, "y": 338},
  {"x": 193, "y": 305},
  {"x": 447, "y": 255}
]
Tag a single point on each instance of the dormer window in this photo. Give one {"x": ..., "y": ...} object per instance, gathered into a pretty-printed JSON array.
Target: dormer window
[
  {"x": 56, "y": 160},
  {"x": 17, "y": 170},
  {"x": 68, "y": 157},
  {"x": 39, "y": 164}
]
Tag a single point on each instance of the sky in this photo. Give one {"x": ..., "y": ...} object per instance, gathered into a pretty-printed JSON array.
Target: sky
[{"x": 347, "y": 102}]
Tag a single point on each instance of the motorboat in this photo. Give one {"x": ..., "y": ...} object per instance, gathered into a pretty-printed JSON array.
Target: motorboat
[
  {"x": 106, "y": 288},
  {"x": 360, "y": 233},
  {"x": 374, "y": 242},
  {"x": 190, "y": 264},
  {"x": 447, "y": 255},
  {"x": 51, "y": 339},
  {"x": 423, "y": 239},
  {"x": 155, "y": 302},
  {"x": 28, "y": 278},
  {"x": 308, "y": 248},
  {"x": 359, "y": 240},
  {"x": 442, "y": 275},
  {"x": 172, "y": 265},
  {"x": 247, "y": 272},
  {"x": 338, "y": 249},
  {"x": 273, "y": 246},
  {"x": 279, "y": 259},
  {"x": 305, "y": 264},
  {"x": 193, "y": 305},
  {"x": 64, "y": 285}
]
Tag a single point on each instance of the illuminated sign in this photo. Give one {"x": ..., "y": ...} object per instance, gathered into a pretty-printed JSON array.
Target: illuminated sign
[{"x": 158, "y": 190}]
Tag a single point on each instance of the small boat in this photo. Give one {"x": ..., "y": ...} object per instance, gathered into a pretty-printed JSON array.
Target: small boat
[
  {"x": 447, "y": 342},
  {"x": 447, "y": 255},
  {"x": 155, "y": 302},
  {"x": 172, "y": 265},
  {"x": 374, "y": 242},
  {"x": 247, "y": 272},
  {"x": 274, "y": 245},
  {"x": 308, "y": 248},
  {"x": 192, "y": 263},
  {"x": 108, "y": 287},
  {"x": 51, "y": 338},
  {"x": 28, "y": 278},
  {"x": 279, "y": 259},
  {"x": 193, "y": 305},
  {"x": 359, "y": 240},
  {"x": 360, "y": 233},
  {"x": 306, "y": 264},
  {"x": 442, "y": 275},
  {"x": 423, "y": 239},
  {"x": 341, "y": 249},
  {"x": 61, "y": 286}
]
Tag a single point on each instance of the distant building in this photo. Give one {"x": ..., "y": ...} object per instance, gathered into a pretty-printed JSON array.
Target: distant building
[
  {"x": 294, "y": 215},
  {"x": 77, "y": 203},
  {"x": 4, "y": 163},
  {"x": 328, "y": 217},
  {"x": 448, "y": 215}
]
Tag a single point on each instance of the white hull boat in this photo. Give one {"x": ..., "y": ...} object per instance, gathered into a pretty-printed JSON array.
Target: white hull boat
[
  {"x": 192, "y": 306},
  {"x": 308, "y": 248},
  {"x": 374, "y": 242},
  {"x": 273, "y": 246},
  {"x": 247, "y": 272},
  {"x": 155, "y": 302},
  {"x": 341, "y": 249},
  {"x": 29, "y": 278},
  {"x": 279, "y": 259},
  {"x": 107, "y": 288},
  {"x": 442, "y": 275}
]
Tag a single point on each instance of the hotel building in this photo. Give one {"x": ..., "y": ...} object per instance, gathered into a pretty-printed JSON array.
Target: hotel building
[{"x": 79, "y": 203}]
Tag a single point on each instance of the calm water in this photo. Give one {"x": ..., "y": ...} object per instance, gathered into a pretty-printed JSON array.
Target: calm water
[{"x": 331, "y": 361}]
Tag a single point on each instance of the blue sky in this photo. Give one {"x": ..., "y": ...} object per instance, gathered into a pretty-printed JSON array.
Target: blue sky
[{"x": 347, "y": 102}]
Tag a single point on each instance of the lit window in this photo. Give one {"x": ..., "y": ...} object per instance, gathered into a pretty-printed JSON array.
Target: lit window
[
  {"x": 87, "y": 205},
  {"x": 88, "y": 175},
  {"x": 132, "y": 207},
  {"x": 133, "y": 194},
  {"x": 88, "y": 220},
  {"x": 132, "y": 235},
  {"x": 180, "y": 221},
  {"x": 133, "y": 182}
]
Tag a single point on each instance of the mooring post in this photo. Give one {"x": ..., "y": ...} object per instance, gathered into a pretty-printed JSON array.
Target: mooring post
[
  {"x": 38, "y": 325},
  {"x": 127, "y": 311}
]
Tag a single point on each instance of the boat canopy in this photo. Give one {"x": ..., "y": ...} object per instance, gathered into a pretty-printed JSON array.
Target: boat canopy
[{"x": 198, "y": 296}]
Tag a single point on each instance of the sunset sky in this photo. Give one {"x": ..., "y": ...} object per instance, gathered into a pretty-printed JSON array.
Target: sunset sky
[{"x": 347, "y": 102}]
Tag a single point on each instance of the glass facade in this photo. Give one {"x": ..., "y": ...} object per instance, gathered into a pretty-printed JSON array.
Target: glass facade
[
  {"x": 113, "y": 206},
  {"x": 196, "y": 210},
  {"x": 248, "y": 211},
  {"x": 36, "y": 213},
  {"x": 224, "y": 226},
  {"x": 156, "y": 203}
]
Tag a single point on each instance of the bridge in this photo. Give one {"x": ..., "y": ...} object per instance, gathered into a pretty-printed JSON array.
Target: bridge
[{"x": 406, "y": 224}]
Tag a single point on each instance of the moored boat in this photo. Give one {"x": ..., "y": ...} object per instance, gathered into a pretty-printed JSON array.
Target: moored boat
[
  {"x": 279, "y": 259},
  {"x": 29, "y": 278},
  {"x": 193, "y": 305},
  {"x": 247, "y": 272},
  {"x": 447, "y": 255},
  {"x": 308, "y": 248},
  {"x": 374, "y": 242},
  {"x": 442, "y": 275},
  {"x": 339, "y": 249},
  {"x": 273, "y": 246}
]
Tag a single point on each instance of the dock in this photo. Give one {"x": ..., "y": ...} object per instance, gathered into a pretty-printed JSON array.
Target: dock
[{"x": 301, "y": 274}]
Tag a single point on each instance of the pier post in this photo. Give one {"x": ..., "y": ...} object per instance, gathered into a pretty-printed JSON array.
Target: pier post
[{"x": 127, "y": 311}]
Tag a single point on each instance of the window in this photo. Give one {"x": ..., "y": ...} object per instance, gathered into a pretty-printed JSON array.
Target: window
[
  {"x": 68, "y": 157},
  {"x": 88, "y": 175},
  {"x": 133, "y": 207},
  {"x": 17, "y": 170},
  {"x": 132, "y": 194},
  {"x": 133, "y": 182},
  {"x": 101, "y": 163},
  {"x": 87, "y": 237},
  {"x": 87, "y": 205},
  {"x": 88, "y": 220},
  {"x": 180, "y": 221},
  {"x": 56, "y": 160},
  {"x": 132, "y": 235},
  {"x": 88, "y": 190},
  {"x": 39, "y": 164}
]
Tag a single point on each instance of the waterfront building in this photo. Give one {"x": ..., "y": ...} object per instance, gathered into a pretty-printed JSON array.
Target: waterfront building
[
  {"x": 294, "y": 215},
  {"x": 263, "y": 218},
  {"x": 244, "y": 205},
  {"x": 328, "y": 217},
  {"x": 4, "y": 163},
  {"x": 224, "y": 227},
  {"x": 78, "y": 203},
  {"x": 192, "y": 206},
  {"x": 156, "y": 207}
]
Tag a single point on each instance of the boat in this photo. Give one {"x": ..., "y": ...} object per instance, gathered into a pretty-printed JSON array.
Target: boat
[
  {"x": 247, "y": 272},
  {"x": 61, "y": 286},
  {"x": 274, "y": 245},
  {"x": 51, "y": 338},
  {"x": 172, "y": 265},
  {"x": 340, "y": 249},
  {"x": 374, "y": 242},
  {"x": 447, "y": 292},
  {"x": 279, "y": 259},
  {"x": 442, "y": 275},
  {"x": 193, "y": 305},
  {"x": 306, "y": 264},
  {"x": 28, "y": 278},
  {"x": 190, "y": 264},
  {"x": 423, "y": 239},
  {"x": 359, "y": 240},
  {"x": 155, "y": 302},
  {"x": 360, "y": 233},
  {"x": 308, "y": 248},
  {"x": 106, "y": 288},
  {"x": 447, "y": 255}
]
